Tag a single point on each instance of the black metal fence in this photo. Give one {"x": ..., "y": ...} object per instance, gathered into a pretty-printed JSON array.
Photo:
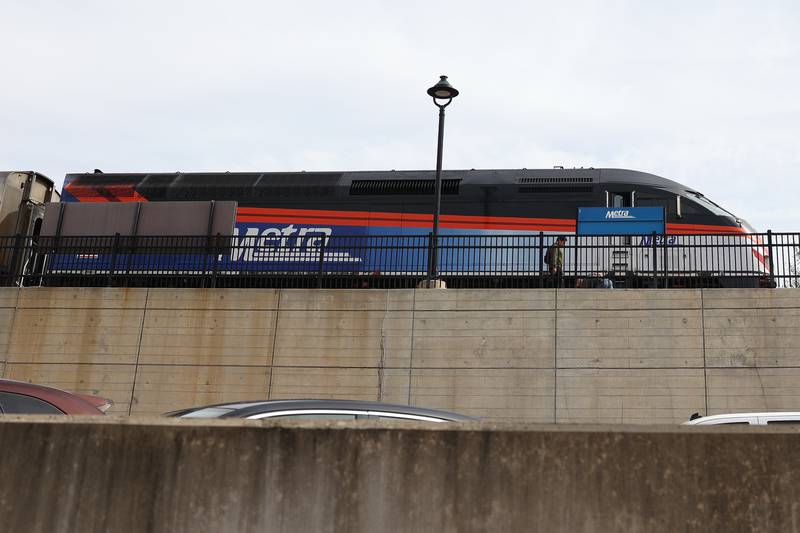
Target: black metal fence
[{"x": 469, "y": 261}]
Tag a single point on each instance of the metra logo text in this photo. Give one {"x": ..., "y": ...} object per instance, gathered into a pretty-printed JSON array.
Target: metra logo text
[
  {"x": 619, "y": 213},
  {"x": 259, "y": 244},
  {"x": 288, "y": 244}
]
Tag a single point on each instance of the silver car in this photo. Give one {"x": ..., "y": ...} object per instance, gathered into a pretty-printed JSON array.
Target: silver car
[{"x": 320, "y": 410}]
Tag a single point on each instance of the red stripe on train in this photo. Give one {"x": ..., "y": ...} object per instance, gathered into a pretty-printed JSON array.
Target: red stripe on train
[{"x": 418, "y": 220}]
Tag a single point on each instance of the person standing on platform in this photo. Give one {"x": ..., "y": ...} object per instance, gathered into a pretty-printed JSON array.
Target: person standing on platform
[{"x": 554, "y": 258}]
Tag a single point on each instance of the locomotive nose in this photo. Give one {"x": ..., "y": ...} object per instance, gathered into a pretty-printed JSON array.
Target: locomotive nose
[{"x": 746, "y": 225}]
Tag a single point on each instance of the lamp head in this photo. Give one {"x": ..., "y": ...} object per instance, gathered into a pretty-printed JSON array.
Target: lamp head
[{"x": 443, "y": 90}]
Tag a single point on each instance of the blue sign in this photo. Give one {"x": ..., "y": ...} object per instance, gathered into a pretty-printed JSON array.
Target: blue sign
[{"x": 620, "y": 220}]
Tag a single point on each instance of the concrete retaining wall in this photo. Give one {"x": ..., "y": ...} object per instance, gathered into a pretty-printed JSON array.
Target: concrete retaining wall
[
  {"x": 155, "y": 476},
  {"x": 623, "y": 356}
]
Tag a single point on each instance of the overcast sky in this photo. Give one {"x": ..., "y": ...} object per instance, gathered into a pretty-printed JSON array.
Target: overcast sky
[{"x": 705, "y": 93}]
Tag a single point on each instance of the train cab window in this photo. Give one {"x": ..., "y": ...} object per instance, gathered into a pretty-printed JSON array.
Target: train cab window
[
  {"x": 707, "y": 204},
  {"x": 689, "y": 207},
  {"x": 620, "y": 199},
  {"x": 654, "y": 201}
]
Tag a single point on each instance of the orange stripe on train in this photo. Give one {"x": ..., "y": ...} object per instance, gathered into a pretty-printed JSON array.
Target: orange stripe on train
[{"x": 421, "y": 220}]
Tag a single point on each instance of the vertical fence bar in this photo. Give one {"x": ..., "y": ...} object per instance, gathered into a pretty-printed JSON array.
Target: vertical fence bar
[
  {"x": 541, "y": 259},
  {"x": 430, "y": 255},
  {"x": 575, "y": 261},
  {"x": 215, "y": 264},
  {"x": 112, "y": 267},
  {"x": 664, "y": 267},
  {"x": 321, "y": 267},
  {"x": 16, "y": 271},
  {"x": 209, "y": 250},
  {"x": 653, "y": 259},
  {"x": 769, "y": 254},
  {"x": 131, "y": 249}
]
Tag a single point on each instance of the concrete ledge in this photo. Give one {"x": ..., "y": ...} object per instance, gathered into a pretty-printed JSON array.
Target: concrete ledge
[{"x": 157, "y": 475}]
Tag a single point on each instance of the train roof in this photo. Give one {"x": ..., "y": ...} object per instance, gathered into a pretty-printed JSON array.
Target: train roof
[
  {"x": 5, "y": 173},
  {"x": 467, "y": 176}
]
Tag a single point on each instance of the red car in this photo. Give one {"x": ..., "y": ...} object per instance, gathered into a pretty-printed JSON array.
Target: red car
[{"x": 18, "y": 397}]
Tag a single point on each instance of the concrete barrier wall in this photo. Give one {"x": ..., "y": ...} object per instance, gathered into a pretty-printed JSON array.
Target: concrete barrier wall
[
  {"x": 104, "y": 476},
  {"x": 566, "y": 356}
]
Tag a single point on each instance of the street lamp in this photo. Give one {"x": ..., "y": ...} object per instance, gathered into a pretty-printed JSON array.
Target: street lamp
[{"x": 442, "y": 94}]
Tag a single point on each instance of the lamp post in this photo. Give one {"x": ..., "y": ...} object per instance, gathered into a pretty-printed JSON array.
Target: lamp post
[{"x": 442, "y": 94}]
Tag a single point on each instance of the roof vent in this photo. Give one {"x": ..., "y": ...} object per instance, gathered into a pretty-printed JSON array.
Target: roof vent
[
  {"x": 556, "y": 189},
  {"x": 555, "y": 180},
  {"x": 388, "y": 187}
]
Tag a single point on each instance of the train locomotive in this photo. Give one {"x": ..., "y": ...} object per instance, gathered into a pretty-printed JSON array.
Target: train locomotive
[{"x": 286, "y": 219}]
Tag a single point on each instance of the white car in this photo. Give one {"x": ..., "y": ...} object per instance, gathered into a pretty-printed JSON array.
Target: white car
[{"x": 753, "y": 419}]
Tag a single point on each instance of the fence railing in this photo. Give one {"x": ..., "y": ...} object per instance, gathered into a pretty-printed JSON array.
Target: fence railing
[{"x": 479, "y": 261}]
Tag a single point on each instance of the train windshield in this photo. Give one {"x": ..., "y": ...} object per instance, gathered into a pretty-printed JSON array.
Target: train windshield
[{"x": 711, "y": 206}]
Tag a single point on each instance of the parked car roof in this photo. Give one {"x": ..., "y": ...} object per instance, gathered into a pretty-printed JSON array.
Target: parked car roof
[
  {"x": 267, "y": 408},
  {"x": 20, "y": 397}
]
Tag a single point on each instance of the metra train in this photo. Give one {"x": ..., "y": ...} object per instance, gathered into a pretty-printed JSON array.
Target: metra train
[
  {"x": 302, "y": 209},
  {"x": 400, "y": 202}
]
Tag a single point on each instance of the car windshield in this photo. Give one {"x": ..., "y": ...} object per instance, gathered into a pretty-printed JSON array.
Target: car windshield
[
  {"x": 213, "y": 411},
  {"x": 208, "y": 412}
]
